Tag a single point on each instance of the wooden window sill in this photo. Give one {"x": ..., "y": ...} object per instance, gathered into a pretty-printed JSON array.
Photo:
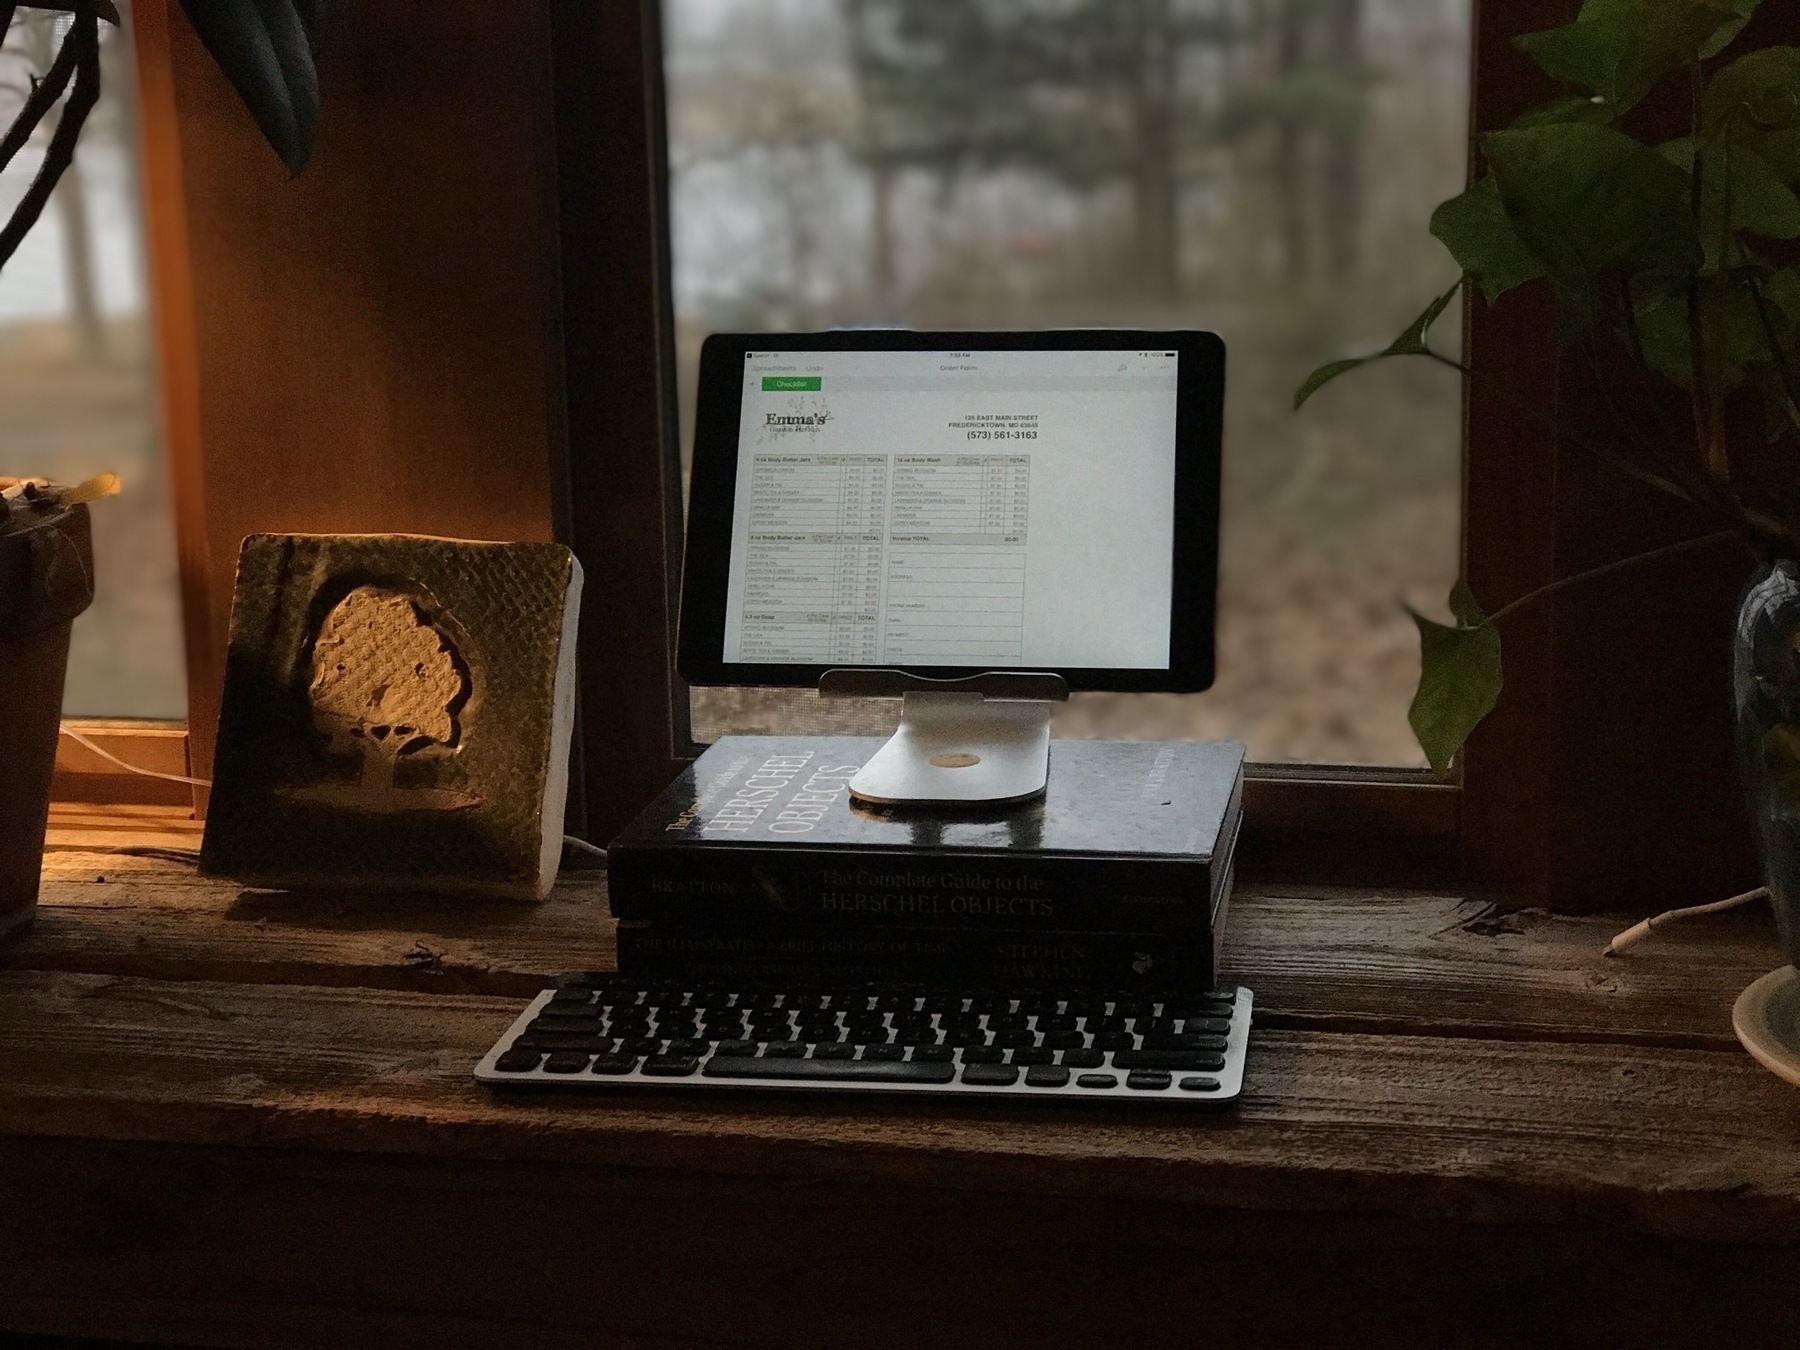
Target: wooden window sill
[{"x": 220, "y": 1112}]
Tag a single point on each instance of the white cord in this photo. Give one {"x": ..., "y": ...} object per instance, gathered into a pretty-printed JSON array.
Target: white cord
[
  {"x": 76, "y": 737},
  {"x": 1639, "y": 931},
  {"x": 79, "y": 739},
  {"x": 580, "y": 844}
]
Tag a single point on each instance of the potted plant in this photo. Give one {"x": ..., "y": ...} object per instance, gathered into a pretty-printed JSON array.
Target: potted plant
[
  {"x": 1672, "y": 265},
  {"x": 46, "y": 579},
  {"x": 46, "y": 557}
]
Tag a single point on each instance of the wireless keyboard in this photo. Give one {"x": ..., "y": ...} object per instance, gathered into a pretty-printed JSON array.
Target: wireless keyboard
[{"x": 600, "y": 1031}]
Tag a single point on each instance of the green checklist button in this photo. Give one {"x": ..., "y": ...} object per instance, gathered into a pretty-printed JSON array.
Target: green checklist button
[{"x": 791, "y": 384}]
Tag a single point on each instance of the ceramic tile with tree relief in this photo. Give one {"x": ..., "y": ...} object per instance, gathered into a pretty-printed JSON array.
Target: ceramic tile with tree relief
[{"x": 397, "y": 712}]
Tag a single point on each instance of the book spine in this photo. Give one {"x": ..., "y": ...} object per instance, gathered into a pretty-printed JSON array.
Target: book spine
[
  {"x": 719, "y": 885},
  {"x": 915, "y": 955}
]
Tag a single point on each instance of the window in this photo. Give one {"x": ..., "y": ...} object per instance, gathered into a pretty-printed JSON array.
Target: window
[
  {"x": 458, "y": 322},
  {"x": 77, "y": 386},
  {"x": 1260, "y": 167}
]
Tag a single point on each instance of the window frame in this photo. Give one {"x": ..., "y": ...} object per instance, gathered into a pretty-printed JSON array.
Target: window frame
[{"x": 1531, "y": 811}]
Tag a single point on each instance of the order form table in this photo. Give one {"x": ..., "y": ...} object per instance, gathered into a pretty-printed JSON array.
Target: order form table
[
  {"x": 854, "y": 559},
  {"x": 812, "y": 574},
  {"x": 956, "y": 558}
]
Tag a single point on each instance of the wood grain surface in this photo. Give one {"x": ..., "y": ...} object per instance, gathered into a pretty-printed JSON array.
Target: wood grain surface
[
  {"x": 247, "y": 1118},
  {"x": 1317, "y": 957},
  {"x": 1412, "y": 1056}
]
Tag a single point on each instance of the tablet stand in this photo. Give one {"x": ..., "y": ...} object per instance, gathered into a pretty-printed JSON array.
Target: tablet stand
[{"x": 984, "y": 739}]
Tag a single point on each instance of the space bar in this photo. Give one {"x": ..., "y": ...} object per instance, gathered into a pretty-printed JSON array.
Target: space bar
[{"x": 829, "y": 1070}]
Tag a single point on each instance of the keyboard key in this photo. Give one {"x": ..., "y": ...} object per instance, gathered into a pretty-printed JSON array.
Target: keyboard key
[
  {"x": 1014, "y": 1038},
  {"x": 640, "y": 1045},
  {"x": 1168, "y": 1059},
  {"x": 796, "y": 1050},
  {"x": 544, "y": 1041},
  {"x": 990, "y": 1075},
  {"x": 565, "y": 1027},
  {"x": 566, "y": 1061},
  {"x": 729, "y": 1048},
  {"x": 1198, "y": 1007},
  {"x": 833, "y": 1050},
  {"x": 886, "y": 1052},
  {"x": 934, "y": 1054},
  {"x": 830, "y": 1070},
  {"x": 1083, "y": 1059},
  {"x": 1098, "y": 1080},
  {"x": 517, "y": 1060},
  {"x": 1114, "y": 1040},
  {"x": 1147, "y": 1080},
  {"x": 1182, "y": 1041},
  {"x": 983, "y": 1054},
  {"x": 1036, "y": 1054},
  {"x": 680, "y": 1066},
  {"x": 964, "y": 1033},
  {"x": 1047, "y": 1076},
  {"x": 614, "y": 1063},
  {"x": 1211, "y": 1026},
  {"x": 1064, "y": 1040},
  {"x": 691, "y": 1046},
  {"x": 1199, "y": 1085}
]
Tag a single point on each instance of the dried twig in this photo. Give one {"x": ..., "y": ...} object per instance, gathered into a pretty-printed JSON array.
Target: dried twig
[
  {"x": 40, "y": 100},
  {"x": 84, "y": 39}
]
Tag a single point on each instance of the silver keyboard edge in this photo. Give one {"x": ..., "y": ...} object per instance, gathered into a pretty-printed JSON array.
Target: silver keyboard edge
[{"x": 1231, "y": 1077}]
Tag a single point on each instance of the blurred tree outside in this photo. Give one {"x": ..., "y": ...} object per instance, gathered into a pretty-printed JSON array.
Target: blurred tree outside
[
  {"x": 77, "y": 387},
  {"x": 1263, "y": 168}
]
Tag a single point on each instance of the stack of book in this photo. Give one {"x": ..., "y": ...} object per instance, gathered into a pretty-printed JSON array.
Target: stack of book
[{"x": 756, "y": 864}]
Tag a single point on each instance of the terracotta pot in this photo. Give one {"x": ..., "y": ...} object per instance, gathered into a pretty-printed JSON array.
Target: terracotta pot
[{"x": 46, "y": 579}]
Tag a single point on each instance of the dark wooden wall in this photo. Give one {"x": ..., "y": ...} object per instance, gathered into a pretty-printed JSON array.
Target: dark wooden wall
[
  {"x": 454, "y": 322},
  {"x": 371, "y": 346},
  {"x": 1604, "y": 779}
]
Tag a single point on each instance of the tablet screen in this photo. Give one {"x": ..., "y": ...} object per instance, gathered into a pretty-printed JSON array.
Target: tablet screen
[
  {"x": 1004, "y": 509},
  {"x": 944, "y": 503}
]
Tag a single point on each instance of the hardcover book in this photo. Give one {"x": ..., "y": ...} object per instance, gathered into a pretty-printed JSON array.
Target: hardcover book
[
  {"x": 787, "y": 953},
  {"x": 397, "y": 712},
  {"x": 1131, "y": 837}
]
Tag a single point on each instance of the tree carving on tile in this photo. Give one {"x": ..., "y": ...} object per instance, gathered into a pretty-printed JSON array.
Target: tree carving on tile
[{"x": 388, "y": 685}]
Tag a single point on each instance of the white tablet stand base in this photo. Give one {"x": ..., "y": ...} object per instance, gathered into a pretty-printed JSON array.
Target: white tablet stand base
[{"x": 980, "y": 740}]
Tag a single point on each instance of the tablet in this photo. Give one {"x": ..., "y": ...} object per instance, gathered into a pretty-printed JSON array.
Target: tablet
[{"x": 955, "y": 503}]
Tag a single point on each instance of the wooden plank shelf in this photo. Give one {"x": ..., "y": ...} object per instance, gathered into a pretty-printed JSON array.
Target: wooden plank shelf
[{"x": 1428, "y": 1083}]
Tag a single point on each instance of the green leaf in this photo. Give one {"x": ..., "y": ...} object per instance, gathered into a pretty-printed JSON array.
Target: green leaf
[
  {"x": 1409, "y": 343},
  {"x": 1762, "y": 87},
  {"x": 1586, "y": 198},
  {"x": 1760, "y": 94},
  {"x": 1475, "y": 229},
  {"x": 1730, "y": 317},
  {"x": 1620, "y": 49},
  {"x": 1459, "y": 679},
  {"x": 263, "y": 48},
  {"x": 1570, "y": 108},
  {"x": 1760, "y": 203}
]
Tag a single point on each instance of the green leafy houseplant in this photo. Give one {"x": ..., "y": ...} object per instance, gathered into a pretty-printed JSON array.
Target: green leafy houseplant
[
  {"x": 1672, "y": 271},
  {"x": 265, "y": 48}
]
